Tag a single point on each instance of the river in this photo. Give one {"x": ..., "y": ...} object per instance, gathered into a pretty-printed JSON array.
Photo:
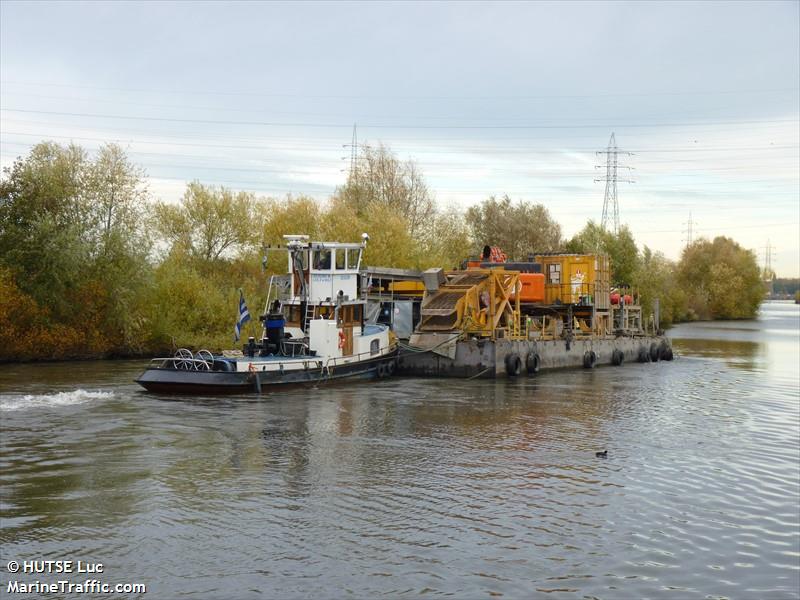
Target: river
[{"x": 411, "y": 487}]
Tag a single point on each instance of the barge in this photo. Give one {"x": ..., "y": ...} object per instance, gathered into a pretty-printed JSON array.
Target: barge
[{"x": 495, "y": 318}]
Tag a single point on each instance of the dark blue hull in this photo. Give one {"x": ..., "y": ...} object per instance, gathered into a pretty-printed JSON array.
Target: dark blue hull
[{"x": 181, "y": 381}]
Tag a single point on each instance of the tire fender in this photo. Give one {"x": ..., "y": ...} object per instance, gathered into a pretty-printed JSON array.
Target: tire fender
[
  {"x": 533, "y": 363},
  {"x": 655, "y": 352},
  {"x": 513, "y": 364},
  {"x": 617, "y": 357},
  {"x": 644, "y": 355}
]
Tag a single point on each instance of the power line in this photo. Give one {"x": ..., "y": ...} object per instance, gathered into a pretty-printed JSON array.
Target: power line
[
  {"x": 385, "y": 126},
  {"x": 451, "y": 169},
  {"x": 184, "y": 107},
  {"x": 395, "y": 96},
  {"x": 449, "y": 150},
  {"x": 397, "y": 138}
]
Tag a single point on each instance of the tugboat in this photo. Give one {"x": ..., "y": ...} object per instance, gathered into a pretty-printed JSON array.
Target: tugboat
[{"x": 316, "y": 334}]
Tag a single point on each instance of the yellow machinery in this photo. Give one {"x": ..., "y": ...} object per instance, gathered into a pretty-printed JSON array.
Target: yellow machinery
[
  {"x": 407, "y": 288},
  {"x": 576, "y": 279},
  {"x": 477, "y": 301}
]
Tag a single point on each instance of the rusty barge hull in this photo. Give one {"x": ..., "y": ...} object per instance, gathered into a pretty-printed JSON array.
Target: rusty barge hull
[{"x": 486, "y": 358}]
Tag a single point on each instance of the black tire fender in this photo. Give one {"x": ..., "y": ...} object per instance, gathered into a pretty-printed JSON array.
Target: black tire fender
[
  {"x": 589, "y": 359},
  {"x": 644, "y": 355},
  {"x": 655, "y": 352},
  {"x": 617, "y": 357},
  {"x": 533, "y": 363},
  {"x": 513, "y": 365}
]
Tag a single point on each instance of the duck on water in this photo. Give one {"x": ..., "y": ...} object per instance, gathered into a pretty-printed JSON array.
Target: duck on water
[{"x": 315, "y": 334}]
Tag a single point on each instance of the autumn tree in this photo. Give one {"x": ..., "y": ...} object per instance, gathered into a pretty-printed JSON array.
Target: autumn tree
[
  {"x": 44, "y": 223},
  {"x": 520, "y": 228},
  {"x": 72, "y": 239},
  {"x": 382, "y": 179},
  {"x": 209, "y": 222},
  {"x": 722, "y": 280}
]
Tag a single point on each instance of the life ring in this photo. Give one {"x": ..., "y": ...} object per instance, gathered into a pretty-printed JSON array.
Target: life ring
[
  {"x": 532, "y": 363},
  {"x": 342, "y": 339},
  {"x": 655, "y": 352},
  {"x": 589, "y": 359},
  {"x": 513, "y": 365},
  {"x": 617, "y": 357}
]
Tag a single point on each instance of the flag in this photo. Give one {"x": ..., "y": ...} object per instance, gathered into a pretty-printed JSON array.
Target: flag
[{"x": 244, "y": 317}]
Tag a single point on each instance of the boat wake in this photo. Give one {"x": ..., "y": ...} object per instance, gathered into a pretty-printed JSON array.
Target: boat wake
[{"x": 20, "y": 402}]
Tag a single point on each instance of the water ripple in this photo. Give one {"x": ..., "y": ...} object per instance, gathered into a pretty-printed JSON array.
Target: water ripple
[{"x": 411, "y": 488}]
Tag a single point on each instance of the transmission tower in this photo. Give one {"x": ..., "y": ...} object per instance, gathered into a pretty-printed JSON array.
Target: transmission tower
[
  {"x": 610, "y": 203},
  {"x": 354, "y": 151},
  {"x": 768, "y": 272},
  {"x": 768, "y": 260},
  {"x": 689, "y": 225}
]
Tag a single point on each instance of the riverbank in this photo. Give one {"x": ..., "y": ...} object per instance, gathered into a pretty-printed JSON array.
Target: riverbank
[{"x": 170, "y": 352}]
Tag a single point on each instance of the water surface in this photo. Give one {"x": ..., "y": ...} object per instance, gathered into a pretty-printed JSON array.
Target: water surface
[{"x": 412, "y": 487}]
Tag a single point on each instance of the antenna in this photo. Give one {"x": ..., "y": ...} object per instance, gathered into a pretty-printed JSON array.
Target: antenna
[{"x": 610, "y": 201}]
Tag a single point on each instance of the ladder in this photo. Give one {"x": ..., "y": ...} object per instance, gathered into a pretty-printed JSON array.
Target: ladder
[{"x": 309, "y": 316}]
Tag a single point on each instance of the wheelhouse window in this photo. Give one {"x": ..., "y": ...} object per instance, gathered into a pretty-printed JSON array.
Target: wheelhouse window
[
  {"x": 352, "y": 258},
  {"x": 340, "y": 259},
  {"x": 322, "y": 260}
]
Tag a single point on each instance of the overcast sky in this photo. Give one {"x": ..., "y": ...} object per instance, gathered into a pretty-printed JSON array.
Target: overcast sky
[{"x": 488, "y": 98}]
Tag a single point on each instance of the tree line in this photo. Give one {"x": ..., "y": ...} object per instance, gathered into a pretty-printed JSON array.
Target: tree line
[{"x": 91, "y": 265}]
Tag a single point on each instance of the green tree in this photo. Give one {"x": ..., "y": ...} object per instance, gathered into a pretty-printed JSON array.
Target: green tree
[
  {"x": 519, "y": 229},
  {"x": 722, "y": 280},
  {"x": 45, "y": 223},
  {"x": 656, "y": 279},
  {"x": 449, "y": 241},
  {"x": 71, "y": 236},
  {"x": 209, "y": 222},
  {"x": 621, "y": 250}
]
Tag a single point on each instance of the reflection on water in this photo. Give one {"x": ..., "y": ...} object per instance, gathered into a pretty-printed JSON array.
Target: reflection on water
[{"x": 412, "y": 486}]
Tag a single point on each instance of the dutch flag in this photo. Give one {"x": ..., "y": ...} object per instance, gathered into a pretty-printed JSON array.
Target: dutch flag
[{"x": 244, "y": 317}]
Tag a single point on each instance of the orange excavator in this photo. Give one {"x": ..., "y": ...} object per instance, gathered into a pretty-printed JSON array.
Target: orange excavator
[{"x": 531, "y": 278}]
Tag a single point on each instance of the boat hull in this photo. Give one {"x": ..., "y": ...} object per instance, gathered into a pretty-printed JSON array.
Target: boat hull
[{"x": 180, "y": 381}]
